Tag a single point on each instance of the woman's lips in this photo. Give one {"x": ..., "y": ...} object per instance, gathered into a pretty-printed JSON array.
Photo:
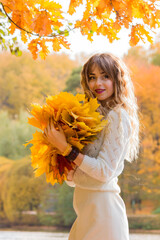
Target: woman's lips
[{"x": 99, "y": 91}]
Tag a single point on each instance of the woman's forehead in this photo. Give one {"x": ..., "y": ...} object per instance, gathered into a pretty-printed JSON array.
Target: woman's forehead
[{"x": 95, "y": 66}]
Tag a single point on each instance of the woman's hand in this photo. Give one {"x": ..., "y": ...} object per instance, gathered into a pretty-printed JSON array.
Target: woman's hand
[
  {"x": 58, "y": 139},
  {"x": 70, "y": 175},
  {"x": 55, "y": 137}
]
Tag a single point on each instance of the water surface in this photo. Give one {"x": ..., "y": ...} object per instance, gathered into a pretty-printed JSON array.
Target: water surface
[{"x": 22, "y": 235}]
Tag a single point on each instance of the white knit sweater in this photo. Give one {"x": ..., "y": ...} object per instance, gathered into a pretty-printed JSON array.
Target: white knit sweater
[{"x": 104, "y": 158}]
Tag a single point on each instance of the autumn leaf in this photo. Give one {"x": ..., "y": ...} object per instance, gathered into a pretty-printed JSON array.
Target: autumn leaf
[
  {"x": 24, "y": 37},
  {"x": 32, "y": 46},
  {"x": 56, "y": 44},
  {"x": 42, "y": 23},
  {"x": 73, "y": 5},
  {"x": 137, "y": 33},
  {"x": 64, "y": 42},
  {"x": 44, "y": 52}
]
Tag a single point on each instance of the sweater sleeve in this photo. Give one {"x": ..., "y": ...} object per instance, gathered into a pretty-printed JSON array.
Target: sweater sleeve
[
  {"x": 112, "y": 151},
  {"x": 70, "y": 183},
  {"x": 69, "y": 180}
]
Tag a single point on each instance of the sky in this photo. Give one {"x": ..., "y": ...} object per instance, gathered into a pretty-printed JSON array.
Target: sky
[{"x": 100, "y": 44}]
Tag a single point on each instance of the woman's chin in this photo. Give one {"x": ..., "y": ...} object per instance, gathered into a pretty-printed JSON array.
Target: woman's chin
[{"x": 102, "y": 98}]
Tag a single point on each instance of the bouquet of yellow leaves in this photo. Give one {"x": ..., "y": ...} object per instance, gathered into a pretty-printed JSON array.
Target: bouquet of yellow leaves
[{"x": 80, "y": 122}]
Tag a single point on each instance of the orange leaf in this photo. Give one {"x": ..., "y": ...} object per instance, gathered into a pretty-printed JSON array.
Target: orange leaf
[
  {"x": 42, "y": 23},
  {"x": 44, "y": 52},
  {"x": 32, "y": 46},
  {"x": 56, "y": 44},
  {"x": 73, "y": 5},
  {"x": 24, "y": 36},
  {"x": 64, "y": 42}
]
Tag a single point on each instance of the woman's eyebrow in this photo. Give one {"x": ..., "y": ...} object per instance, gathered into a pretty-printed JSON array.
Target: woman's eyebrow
[{"x": 95, "y": 74}]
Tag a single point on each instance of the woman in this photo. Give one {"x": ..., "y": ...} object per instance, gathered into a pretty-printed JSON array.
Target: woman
[{"x": 101, "y": 212}]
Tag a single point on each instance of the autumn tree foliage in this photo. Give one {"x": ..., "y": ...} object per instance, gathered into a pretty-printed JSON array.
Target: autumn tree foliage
[
  {"x": 141, "y": 178},
  {"x": 5, "y": 165},
  {"x": 13, "y": 134},
  {"x": 21, "y": 191},
  {"x": 44, "y": 22},
  {"x": 73, "y": 82},
  {"x": 24, "y": 81},
  {"x": 149, "y": 105}
]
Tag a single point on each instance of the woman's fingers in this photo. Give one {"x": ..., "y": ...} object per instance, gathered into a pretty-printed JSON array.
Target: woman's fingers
[
  {"x": 55, "y": 135},
  {"x": 49, "y": 124},
  {"x": 60, "y": 128},
  {"x": 52, "y": 124},
  {"x": 45, "y": 136},
  {"x": 45, "y": 131},
  {"x": 50, "y": 129}
]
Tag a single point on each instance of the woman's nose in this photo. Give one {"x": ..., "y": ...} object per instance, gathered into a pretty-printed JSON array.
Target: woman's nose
[{"x": 99, "y": 81}]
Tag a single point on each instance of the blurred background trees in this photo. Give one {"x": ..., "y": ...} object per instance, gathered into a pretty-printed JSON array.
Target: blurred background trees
[
  {"x": 13, "y": 134},
  {"x": 24, "y": 81},
  {"x": 73, "y": 82}
]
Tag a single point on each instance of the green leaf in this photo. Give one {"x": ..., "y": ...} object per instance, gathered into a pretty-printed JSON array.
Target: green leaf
[
  {"x": 19, "y": 53},
  {"x": 2, "y": 32},
  {"x": 66, "y": 33},
  {"x": 2, "y": 15},
  {"x": 14, "y": 39},
  {"x": 5, "y": 46},
  {"x": 59, "y": 31}
]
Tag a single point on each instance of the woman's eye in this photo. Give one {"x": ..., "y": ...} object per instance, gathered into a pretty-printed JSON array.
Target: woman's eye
[
  {"x": 106, "y": 76},
  {"x": 91, "y": 78}
]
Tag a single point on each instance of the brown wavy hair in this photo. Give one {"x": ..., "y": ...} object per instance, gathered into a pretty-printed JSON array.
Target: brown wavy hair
[{"x": 123, "y": 95}]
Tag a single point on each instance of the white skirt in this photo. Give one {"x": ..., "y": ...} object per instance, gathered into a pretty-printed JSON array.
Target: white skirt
[{"x": 100, "y": 216}]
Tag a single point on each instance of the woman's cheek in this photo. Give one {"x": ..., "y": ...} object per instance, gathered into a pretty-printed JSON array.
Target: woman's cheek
[
  {"x": 110, "y": 84},
  {"x": 91, "y": 85}
]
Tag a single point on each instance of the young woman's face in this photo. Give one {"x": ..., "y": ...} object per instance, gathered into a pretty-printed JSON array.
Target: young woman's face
[{"x": 100, "y": 84}]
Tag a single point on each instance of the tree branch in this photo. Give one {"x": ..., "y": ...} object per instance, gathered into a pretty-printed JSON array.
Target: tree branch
[
  {"x": 34, "y": 34},
  {"x": 3, "y": 6}
]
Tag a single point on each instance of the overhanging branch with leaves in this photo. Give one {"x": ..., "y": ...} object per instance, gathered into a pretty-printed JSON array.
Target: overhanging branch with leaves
[{"x": 43, "y": 22}]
